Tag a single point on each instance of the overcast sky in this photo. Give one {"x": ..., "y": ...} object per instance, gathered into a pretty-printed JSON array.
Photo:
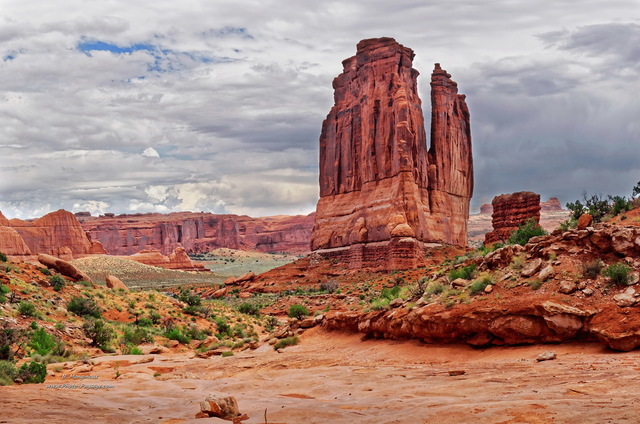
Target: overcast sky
[{"x": 214, "y": 105}]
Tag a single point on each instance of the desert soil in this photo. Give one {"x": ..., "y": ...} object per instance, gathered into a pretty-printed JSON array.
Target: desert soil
[{"x": 339, "y": 378}]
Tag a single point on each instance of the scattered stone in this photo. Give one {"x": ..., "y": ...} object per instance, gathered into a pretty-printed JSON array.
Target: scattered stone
[
  {"x": 282, "y": 332},
  {"x": 634, "y": 277},
  {"x": 546, "y": 273},
  {"x": 584, "y": 221},
  {"x": 532, "y": 267},
  {"x": 546, "y": 356},
  {"x": 114, "y": 282},
  {"x": 221, "y": 407},
  {"x": 231, "y": 281},
  {"x": 568, "y": 287},
  {"x": 459, "y": 283},
  {"x": 396, "y": 303},
  {"x": 454, "y": 373},
  {"x": 63, "y": 267},
  {"x": 153, "y": 349},
  {"x": 308, "y": 323},
  {"x": 588, "y": 292},
  {"x": 507, "y": 276},
  {"x": 489, "y": 288},
  {"x": 626, "y": 298}
]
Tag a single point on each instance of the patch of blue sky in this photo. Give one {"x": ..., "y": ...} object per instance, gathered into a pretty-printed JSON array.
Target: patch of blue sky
[
  {"x": 229, "y": 31},
  {"x": 165, "y": 60}
]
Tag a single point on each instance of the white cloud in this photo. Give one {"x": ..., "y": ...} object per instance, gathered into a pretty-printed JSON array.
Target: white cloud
[{"x": 151, "y": 152}]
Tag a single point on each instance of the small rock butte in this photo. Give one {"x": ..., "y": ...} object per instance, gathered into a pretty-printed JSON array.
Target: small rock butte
[{"x": 510, "y": 211}]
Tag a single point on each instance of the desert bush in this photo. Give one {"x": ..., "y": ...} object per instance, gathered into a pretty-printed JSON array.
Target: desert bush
[
  {"x": 145, "y": 322},
  {"x": 136, "y": 336},
  {"x": 526, "y": 231},
  {"x": 535, "y": 284},
  {"x": 417, "y": 291},
  {"x": 467, "y": 273},
  {"x": 329, "y": 286},
  {"x": 155, "y": 317},
  {"x": 83, "y": 306},
  {"x": 4, "y": 290},
  {"x": 32, "y": 372},
  {"x": 44, "y": 343},
  {"x": 380, "y": 304},
  {"x": 249, "y": 308},
  {"x": 8, "y": 373},
  {"x": 195, "y": 333},
  {"x": 298, "y": 311},
  {"x": 130, "y": 349},
  {"x": 45, "y": 271},
  {"x": 480, "y": 284},
  {"x": 270, "y": 323},
  {"x": 289, "y": 341},
  {"x": 617, "y": 273},
  {"x": 27, "y": 309},
  {"x": 517, "y": 262},
  {"x": 3, "y": 257},
  {"x": 99, "y": 332},
  {"x": 194, "y": 310},
  {"x": 592, "y": 269},
  {"x": 190, "y": 298},
  {"x": 57, "y": 282},
  {"x": 435, "y": 288},
  {"x": 178, "y": 335},
  {"x": 223, "y": 327}
]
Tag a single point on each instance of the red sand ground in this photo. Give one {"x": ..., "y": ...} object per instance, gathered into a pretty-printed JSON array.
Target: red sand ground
[{"x": 338, "y": 378}]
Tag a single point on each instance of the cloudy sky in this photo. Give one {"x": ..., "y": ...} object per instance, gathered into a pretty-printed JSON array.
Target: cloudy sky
[{"x": 215, "y": 105}]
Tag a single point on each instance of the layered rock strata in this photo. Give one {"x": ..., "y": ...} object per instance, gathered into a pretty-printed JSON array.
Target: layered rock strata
[
  {"x": 383, "y": 195},
  {"x": 199, "y": 232},
  {"x": 177, "y": 260},
  {"x": 510, "y": 211},
  {"x": 57, "y": 233}
]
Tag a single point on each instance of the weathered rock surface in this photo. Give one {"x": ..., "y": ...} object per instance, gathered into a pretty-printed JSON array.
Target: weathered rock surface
[
  {"x": 63, "y": 267},
  {"x": 114, "y": 282},
  {"x": 553, "y": 204},
  {"x": 584, "y": 221},
  {"x": 57, "y": 233},
  {"x": 199, "y": 232},
  {"x": 177, "y": 260},
  {"x": 509, "y": 211},
  {"x": 382, "y": 194}
]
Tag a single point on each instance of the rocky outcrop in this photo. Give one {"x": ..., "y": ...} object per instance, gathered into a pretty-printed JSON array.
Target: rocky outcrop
[
  {"x": 551, "y": 205},
  {"x": 510, "y": 211},
  {"x": 486, "y": 209},
  {"x": 115, "y": 283},
  {"x": 199, "y": 232},
  {"x": 58, "y": 233},
  {"x": 11, "y": 243},
  {"x": 382, "y": 194},
  {"x": 177, "y": 260}
]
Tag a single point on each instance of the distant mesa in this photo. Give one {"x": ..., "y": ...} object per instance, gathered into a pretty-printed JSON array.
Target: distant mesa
[
  {"x": 383, "y": 195},
  {"x": 509, "y": 212}
]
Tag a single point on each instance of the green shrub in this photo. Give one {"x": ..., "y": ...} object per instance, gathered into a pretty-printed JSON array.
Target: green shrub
[
  {"x": 99, "y": 332},
  {"x": 592, "y": 269},
  {"x": 44, "y": 343},
  {"x": 155, "y": 317},
  {"x": 3, "y": 257},
  {"x": 32, "y": 372},
  {"x": 249, "y": 309},
  {"x": 194, "y": 310},
  {"x": 380, "y": 303},
  {"x": 8, "y": 373},
  {"x": 224, "y": 329},
  {"x": 227, "y": 353},
  {"x": 4, "y": 290},
  {"x": 467, "y": 273},
  {"x": 57, "y": 282},
  {"x": 83, "y": 306},
  {"x": 193, "y": 332},
  {"x": 289, "y": 341},
  {"x": 298, "y": 311},
  {"x": 176, "y": 334},
  {"x": 329, "y": 286},
  {"x": 479, "y": 285},
  {"x": 136, "y": 336},
  {"x": 145, "y": 322},
  {"x": 617, "y": 273},
  {"x": 190, "y": 298},
  {"x": 45, "y": 271},
  {"x": 129, "y": 349},
  {"x": 27, "y": 309},
  {"x": 526, "y": 231},
  {"x": 535, "y": 284},
  {"x": 391, "y": 293}
]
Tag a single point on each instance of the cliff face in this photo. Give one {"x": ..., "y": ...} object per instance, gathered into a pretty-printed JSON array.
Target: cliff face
[
  {"x": 199, "y": 232},
  {"x": 58, "y": 233},
  {"x": 382, "y": 194},
  {"x": 511, "y": 210}
]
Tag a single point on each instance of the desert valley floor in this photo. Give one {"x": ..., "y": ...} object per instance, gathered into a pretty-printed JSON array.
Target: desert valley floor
[{"x": 339, "y": 378}]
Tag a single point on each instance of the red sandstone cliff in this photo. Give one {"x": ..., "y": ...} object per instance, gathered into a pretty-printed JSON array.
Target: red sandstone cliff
[
  {"x": 511, "y": 210},
  {"x": 58, "y": 233},
  {"x": 381, "y": 192},
  {"x": 199, "y": 232}
]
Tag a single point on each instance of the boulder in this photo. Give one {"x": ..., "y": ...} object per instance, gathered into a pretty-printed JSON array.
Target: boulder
[
  {"x": 626, "y": 298},
  {"x": 220, "y": 407},
  {"x": 584, "y": 221},
  {"x": 532, "y": 267},
  {"x": 546, "y": 273},
  {"x": 244, "y": 278},
  {"x": 114, "y": 282},
  {"x": 63, "y": 267}
]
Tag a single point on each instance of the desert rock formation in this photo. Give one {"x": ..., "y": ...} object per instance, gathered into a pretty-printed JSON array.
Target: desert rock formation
[
  {"x": 199, "y": 232},
  {"x": 57, "y": 233},
  {"x": 382, "y": 194},
  {"x": 553, "y": 204},
  {"x": 176, "y": 260},
  {"x": 511, "y": 210}
]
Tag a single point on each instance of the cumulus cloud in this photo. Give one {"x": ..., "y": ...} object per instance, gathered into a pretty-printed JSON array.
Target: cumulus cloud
[{"x": 217, "y": 106}]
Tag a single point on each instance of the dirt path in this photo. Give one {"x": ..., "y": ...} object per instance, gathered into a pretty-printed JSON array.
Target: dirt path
[{"x": 336, "y": 378}]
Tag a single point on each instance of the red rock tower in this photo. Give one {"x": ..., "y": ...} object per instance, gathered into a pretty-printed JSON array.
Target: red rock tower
[
  {"x": 383, "y": 195},
  {"x": 509, "y": 212}
]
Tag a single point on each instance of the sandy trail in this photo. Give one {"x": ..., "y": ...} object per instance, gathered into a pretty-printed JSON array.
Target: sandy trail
[{"x": 337, "y": 378}]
